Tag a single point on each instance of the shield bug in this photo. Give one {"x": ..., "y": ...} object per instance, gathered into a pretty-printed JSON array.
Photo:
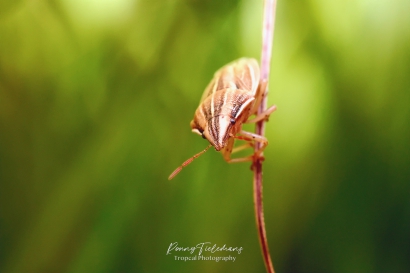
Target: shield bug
[{"x": 230, "y": 99}]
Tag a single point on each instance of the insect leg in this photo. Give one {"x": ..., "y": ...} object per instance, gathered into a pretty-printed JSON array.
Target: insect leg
[
  {"x": 262, "y": 116},
  {"x": 242, "y": 147},
  {"x": 255, "y": 137},
  {"x": 240, "y": 159},
  {"x": 229, "y": 149},
  {"x": 250, "y": 138},
  {"x": 249, "y": 144}
]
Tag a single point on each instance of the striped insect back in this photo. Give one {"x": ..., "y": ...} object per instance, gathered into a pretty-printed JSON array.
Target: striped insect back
[
  {"x": 221, "y": 114},
  {"x": 232, "y": 96},
  {"x": 226, "y": 102}
]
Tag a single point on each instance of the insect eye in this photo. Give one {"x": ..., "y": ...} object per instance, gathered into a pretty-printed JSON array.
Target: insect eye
[
  {"x": 202, "y": 133},
  {"x": 233, "y": 121}
]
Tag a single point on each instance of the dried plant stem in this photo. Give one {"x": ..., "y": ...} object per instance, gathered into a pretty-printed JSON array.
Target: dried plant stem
[{"x": 267, "y": 40}]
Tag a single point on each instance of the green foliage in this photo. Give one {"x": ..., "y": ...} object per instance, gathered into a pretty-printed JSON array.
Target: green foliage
[{"x": 95, "y": 103}]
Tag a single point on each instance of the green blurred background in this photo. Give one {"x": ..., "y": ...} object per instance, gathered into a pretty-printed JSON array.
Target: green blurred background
[{"x": 95, "y": 103}]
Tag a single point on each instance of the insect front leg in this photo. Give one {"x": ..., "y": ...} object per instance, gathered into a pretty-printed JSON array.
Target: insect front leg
[
  {"x": 229, "y": 149},
  {"x": 243, "y": 147},
  {"x": 262, "y": 116},
  {"x": 248, "y": 136},
  {"x": 250, "y": 139},
  {"x": 240, "y": 148}
]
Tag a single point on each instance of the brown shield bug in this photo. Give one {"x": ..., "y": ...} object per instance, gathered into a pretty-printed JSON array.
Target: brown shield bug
[{"x": 230, "y": 99}]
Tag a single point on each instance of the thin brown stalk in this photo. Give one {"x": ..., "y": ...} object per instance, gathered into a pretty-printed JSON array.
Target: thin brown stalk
[{"x": 267, "y": 40}]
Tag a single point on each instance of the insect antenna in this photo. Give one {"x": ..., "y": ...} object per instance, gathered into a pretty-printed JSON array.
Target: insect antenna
[{"x": 187, "y": 162}]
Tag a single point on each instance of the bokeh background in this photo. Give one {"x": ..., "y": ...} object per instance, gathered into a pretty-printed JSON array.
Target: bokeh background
[{"x": 95, "y": 103}]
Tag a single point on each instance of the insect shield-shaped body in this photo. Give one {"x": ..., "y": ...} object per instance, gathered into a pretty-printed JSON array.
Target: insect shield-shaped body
[{"x": 233, "y": 95}]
